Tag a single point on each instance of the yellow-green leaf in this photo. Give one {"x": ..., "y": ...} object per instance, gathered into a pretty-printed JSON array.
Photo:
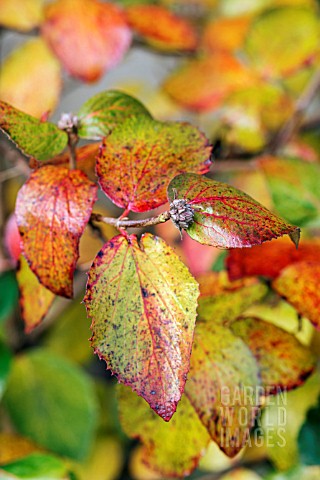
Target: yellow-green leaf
[{"x": 21, "y": 14}]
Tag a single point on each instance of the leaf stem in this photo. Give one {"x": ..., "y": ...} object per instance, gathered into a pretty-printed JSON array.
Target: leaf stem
[
  {"x": 122, "y": 224},
  {"x": 72, "y": 142}
]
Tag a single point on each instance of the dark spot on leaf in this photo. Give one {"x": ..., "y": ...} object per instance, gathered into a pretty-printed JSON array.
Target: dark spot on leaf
[{"x": 144, "y": 292}]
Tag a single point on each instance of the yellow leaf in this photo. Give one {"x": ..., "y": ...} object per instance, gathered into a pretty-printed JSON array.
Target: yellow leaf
[
  {"x": 30, "y": 78},
  {"x": 13, "y": 446},
  {"x": 21, "y": 14}
]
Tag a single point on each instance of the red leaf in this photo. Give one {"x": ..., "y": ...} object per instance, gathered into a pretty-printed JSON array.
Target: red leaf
[
  {"x": 162, "y": 28},
  {"x": 299, "y": 285},
  {"x": 88, "y": 36},
  {"x": 224, "y": 216},
  {"x": 140, "y": 157},
  {"x": 269, "y": 259},
  {"x": 52, "y": 210},
  {"x": 12, "y": 239},
  {"x": 143, "y": 301}
]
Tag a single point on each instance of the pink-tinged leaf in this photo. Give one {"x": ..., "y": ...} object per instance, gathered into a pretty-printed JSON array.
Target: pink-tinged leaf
[
  {"x": 104, "y": 111},
  {"x": 224, "y": 216},
  {"x": 199, "y": 258},
  {"x": 52, "y": 210},
  {"x": 299, "y": 285},
  {"x": 35, "y": 300},
  {"x": 284, "y": 363},
  {"x": 12, "y": 239},
  {"x": 34, "y": 138},
  {"x": 169, "y": 32},
  {"x": 142, "y": 301},
  {"x": 88, "y": 36},
  {"x": 269, "y": 259},
  {"x": 140, "y": 157},
  {"x": 222, "y": 385}
]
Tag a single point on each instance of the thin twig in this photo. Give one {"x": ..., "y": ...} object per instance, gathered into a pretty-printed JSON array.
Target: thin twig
[
  {"x": 72, "y": 142},
  {"x": 295, "y": 122},
  {"x": 125, "y": 223}
]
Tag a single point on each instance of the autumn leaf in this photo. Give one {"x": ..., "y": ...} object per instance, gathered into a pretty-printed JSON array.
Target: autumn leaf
[
  {"x": 269, "y": 259},
  {"x": 34, "y": 138},
  {"x": 169, "y": 31},
  {"x": 35, "y": 299},
  {"x": 94, "y": 42},
  {"x": 52, "y": 210},
  {"x": 283, "y": 362},
  {"x": 225, "y": 33},
  {"x": 172, "y": 448},
  {"x": 43, "y": 76},
  {"x": 104, "y": 111},
  {"x": 143, "y": 324},
  {"x": 140, "y": 157},
  {"x": 22, "y": 15},
  {"x": 299, "y": 285},
  {"x": 222, "y": 385},
  {"x": 202, "y": 84},
  {"x": 224, "y": 216}
]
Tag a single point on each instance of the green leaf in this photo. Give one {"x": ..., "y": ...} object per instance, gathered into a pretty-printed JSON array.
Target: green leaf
[
  {"x": 296, "y": 40},
  {"x": 222, "y": 385},
  {"x": 294, "y": 187},
  {"x": 8, "y": 301},
  {"x": 224, "y": 216},
  {"x": 309, "y": 438},
  {"x": 99, "y": 115},
  {"x": 52, "y": 401},
  {"x": 298, "y": 473},
  {"x": 36, "y": 466},
  {"x": 284, "y": 363},
  {"x": 33, "y": 137},
  {"x": 172, "y": 448},
  {"x": 5, "y": 365},
  {"x": 140, "y": 157},
  {"x": 143, "y": 325}
]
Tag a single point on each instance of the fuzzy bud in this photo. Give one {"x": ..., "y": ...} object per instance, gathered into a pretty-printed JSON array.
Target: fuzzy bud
[
  {"x": 181, "y": 213},
  {"x": 68, "y": 121}
]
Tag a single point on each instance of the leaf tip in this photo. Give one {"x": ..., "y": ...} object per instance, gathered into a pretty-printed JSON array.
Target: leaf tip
[{"x": 295, "y": 236}]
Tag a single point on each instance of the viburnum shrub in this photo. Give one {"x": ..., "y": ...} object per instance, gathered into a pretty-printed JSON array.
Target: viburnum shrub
[{"x": 141, "y": 298}]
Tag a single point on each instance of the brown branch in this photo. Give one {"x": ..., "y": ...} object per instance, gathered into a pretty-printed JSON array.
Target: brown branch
[
  {"x": 126, "y": 223},
  {"x": 295, "y": 122}
]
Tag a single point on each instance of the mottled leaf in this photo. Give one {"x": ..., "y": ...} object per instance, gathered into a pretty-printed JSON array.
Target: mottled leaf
[
  {"x": 5, "y": 365},
  {"x": 36, "y": 466},
  {"x": 299, "y": 285},
  {"x": 203, "y": 84},
  {"x": 222, "y": 301},
  {"x": 224, "y": 216},
  {"x": 222, "y": 385},
  {"x": 101, "y": 113},
  {"x": 21, "y": 14},
  {"x": 269, "y": 259},
  {"x": 94, "y": 41},
  {"x": 172, "y": 448},
  {"x": 59, "y": 403},
  {"x": 43, "y": 77},
  {"x": 169, "y": 31},
  {"x": 283, "y": 362},
  {"x": 143, "y": 324},
  {"x": 8, "y": 284},
  {"x": 140, "y": 157},
  {"x": 35, "y": 299},
  {"x": 52, "y": 210},
  {"x": 296, "y": 41},
  {"x": 225, "y": 33},
  {"x": 294, "y": 187},
  {"x": 41, "y": 140}
]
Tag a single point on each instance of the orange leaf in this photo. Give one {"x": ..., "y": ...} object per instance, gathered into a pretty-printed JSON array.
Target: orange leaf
[
  {"x": 37, "y": 91},
  {"x": 162, "y": 28},
  {"x": 299, "y": 285},
  {"x": 21, "y": 14},
  {"x": 202, "y": 84},
  {"x": 35, "y": 299},
  {"x": 269, "y": 259},
  {"x": 89, "y": 37},
  {"x": 226, "y": 34},
  {"x": 52, "y": 210}
]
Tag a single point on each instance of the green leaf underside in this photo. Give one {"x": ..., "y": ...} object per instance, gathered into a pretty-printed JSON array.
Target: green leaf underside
[
  {"x": 224, "y": 216},
  {"x": 284, "y": 363},
  {"x": 101, "y": 113},
  {"x": 53, "y": 389},
  {"x": 140, "y": 157},
  {"x": 143, "y": 324},
  {"x": 184, "y": 434},
  {"x": 222, "y": 385},
  {"x": 37, "y": 466},
  {"x": 34, "y": 138},
  {"x": 52, "y": 210}
]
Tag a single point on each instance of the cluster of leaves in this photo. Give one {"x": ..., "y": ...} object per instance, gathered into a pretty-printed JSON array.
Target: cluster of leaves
[{"x": 175, "y": 349}]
